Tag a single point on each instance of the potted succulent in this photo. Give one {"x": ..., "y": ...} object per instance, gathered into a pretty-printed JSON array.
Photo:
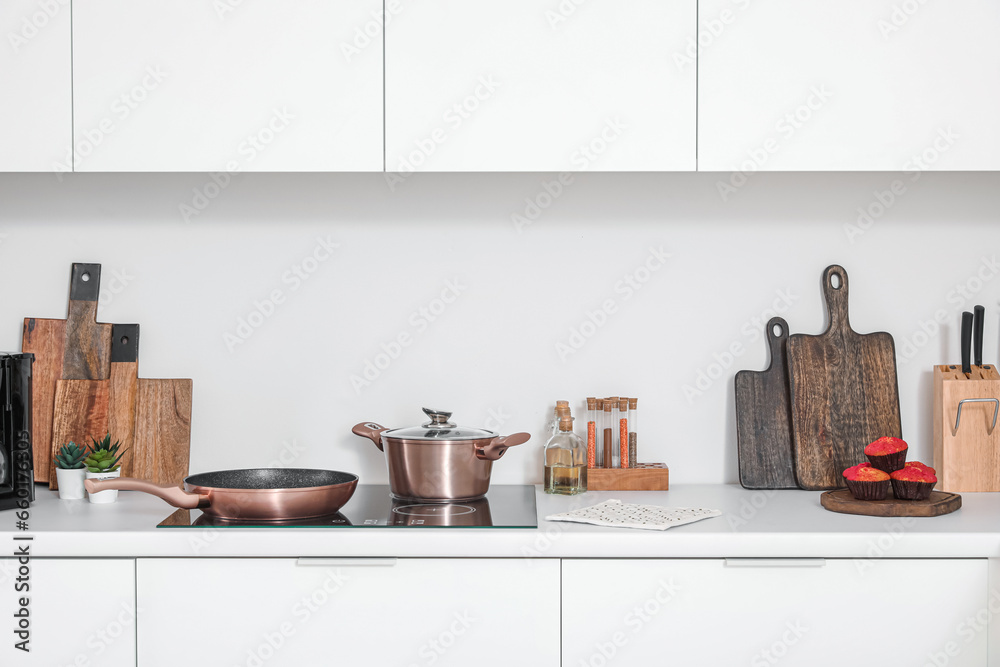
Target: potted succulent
[
  {"x": 71, "y": 471},
  {"x": 104, "y": 462}
]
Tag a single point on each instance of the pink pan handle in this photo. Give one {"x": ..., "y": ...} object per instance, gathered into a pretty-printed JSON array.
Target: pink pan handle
[
  {"x": 174, "y": 495},
  {"x": 372, "y": 431}
]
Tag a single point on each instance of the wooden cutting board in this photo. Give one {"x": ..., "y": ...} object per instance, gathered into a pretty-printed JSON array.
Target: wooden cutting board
[
  {"x": 81, "y": 413},
  {"x": 163, "y": 430},
  {"x": 76, "y": 348},
  {"x": 764, "y": 419},
  {"x": 844, "y": 392},
  {"x": 844, "y": 502},
  {"x": 123, "y": 391}
]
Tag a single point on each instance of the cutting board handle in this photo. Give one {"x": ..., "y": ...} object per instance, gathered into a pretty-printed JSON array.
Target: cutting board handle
[
  {"x": 776, "y": 343},
  {"x": 836, "y": 297}
]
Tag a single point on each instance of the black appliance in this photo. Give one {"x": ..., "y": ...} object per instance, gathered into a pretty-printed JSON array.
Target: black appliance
[{"x": 17, "y": 469}]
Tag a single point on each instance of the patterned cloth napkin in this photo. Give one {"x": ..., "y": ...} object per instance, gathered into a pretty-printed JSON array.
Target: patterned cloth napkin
[{"x": 617, "y": 514}]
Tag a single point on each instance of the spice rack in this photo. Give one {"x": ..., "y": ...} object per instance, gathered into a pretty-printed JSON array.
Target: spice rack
[
  {"x": 966, "y": 442},
  {"x": 643, "y": 477}
]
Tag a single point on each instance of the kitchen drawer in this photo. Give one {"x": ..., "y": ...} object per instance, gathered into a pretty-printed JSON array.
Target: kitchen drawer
[
  {"x": 518, "y": 85},
  {"x": 188, "y": 85},
  {"x": 813, "y": 613},
  {"x": 36, "y": 117},
  {"x": 857, "y": 85},
  {"x": 296, "y": 613},
  {"x": 81, "y": 612}
]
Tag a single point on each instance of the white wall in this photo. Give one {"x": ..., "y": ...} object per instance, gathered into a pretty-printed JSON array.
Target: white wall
[{"x": 494, "y": 348}]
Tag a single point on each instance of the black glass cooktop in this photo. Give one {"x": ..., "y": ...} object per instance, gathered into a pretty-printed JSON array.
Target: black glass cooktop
[{"x": 371, "y": 506}]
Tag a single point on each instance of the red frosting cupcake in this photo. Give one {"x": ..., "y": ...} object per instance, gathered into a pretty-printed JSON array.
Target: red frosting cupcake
[
  {"x": 918, "y": 464},
  {"x": 866, "y": 482},
  {"x": 913, "y": 483},
  {"x": 888, "y": 454}
]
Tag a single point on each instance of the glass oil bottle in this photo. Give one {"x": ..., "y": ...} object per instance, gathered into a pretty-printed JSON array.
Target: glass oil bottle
[{"x": 565, "y": 461}]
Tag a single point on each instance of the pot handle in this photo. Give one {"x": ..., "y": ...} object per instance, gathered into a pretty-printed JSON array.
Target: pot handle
[
  {"x": 372, "y": 431},
  {"x": 174, "y": 495},
  {"x": 498, "y": 446}
]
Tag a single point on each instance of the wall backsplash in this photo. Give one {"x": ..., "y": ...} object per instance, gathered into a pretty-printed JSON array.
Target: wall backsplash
[{"x": 302, "y": 304}]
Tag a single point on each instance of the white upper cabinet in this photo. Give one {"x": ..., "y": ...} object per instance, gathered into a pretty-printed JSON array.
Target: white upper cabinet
[
  {"x": 519, "y": 85},
  {"x": 36, "y": 117},
  {"x": 853, "y": 85},
  {"x": 190, "y": 85}
]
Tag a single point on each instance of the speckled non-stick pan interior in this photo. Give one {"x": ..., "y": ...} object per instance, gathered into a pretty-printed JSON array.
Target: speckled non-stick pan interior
[{"x": 270, "y": 478}]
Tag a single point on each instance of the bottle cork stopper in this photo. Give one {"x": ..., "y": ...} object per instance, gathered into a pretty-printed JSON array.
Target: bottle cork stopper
[
  {"x": 623, "y": 404},
  {"x": 566, "y": 423},
  {"x": 600, "y": 404},
  {"x": 633, "y": 403},
  {"x": 608, "y": 404},
  {"x": 562, "y": 404},
  {"x": 562, "y": 411},
  {"x": 591, "y": 403}
]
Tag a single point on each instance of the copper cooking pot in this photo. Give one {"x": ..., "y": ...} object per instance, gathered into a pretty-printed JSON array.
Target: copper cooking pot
[{"x": 439, "y": 461}]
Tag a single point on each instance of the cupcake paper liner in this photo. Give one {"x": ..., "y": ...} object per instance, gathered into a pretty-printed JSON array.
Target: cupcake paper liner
[
  {"x": 889, "y": 463},
  {"x": 868, "y": 490},
  {"x": 905, "y": 490}
]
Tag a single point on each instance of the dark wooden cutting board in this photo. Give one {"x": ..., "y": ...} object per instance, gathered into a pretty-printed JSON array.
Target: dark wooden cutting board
[
  {"x": 123, "y": 391},
  {"x": 764, "y": 419},
  {"x": 844, "y": 392},
  {"x": 80, "y": 416}
]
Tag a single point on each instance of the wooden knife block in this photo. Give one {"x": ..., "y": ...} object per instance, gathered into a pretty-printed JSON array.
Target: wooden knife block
[{"x": 966, "y": 459}]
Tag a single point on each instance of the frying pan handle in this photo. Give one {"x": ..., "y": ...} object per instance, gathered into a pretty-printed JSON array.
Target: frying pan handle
[
  {"x": 498, "y": 446},
  {"x": 372, "y": 431},
  {"x": 174, "y": 495}
]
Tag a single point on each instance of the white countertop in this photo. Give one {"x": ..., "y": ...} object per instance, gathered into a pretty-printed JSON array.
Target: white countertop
[{"x": 754, "y": 524}]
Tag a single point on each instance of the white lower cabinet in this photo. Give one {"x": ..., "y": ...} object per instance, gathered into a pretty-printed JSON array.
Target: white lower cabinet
[
  {"x": 809, "y": 613},
  {"x": 308, "y": 612},
  {"x": 80, "y": 612}
]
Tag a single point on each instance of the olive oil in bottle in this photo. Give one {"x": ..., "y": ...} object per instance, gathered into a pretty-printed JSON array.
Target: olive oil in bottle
[{"x": 565, "y": 460}]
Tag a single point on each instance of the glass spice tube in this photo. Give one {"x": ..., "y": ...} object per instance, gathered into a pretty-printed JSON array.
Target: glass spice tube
[
  {"x": 615, "y": 435},
  {"x": 623, "y": 433},
  {"x": 609, "y": 435},
  {"x": 599, "y": 433},
  {"x": 633, "y": 438},
  {"x": 591, "y": 432}
]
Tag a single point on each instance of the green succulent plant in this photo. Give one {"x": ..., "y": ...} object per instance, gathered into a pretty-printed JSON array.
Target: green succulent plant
[
  {"x": 71, "y": 456},
  {"x": 104, "y": 456}
]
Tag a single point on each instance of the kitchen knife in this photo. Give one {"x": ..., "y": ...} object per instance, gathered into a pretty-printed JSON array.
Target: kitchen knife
[
  {"x": 977, "y": 334},
  {"x": 967, "y": 343}
]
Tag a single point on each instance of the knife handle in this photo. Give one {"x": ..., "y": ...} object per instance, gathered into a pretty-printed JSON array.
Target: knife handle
[
  {"x": 977, "y": 334},
  {"x": 967, "y": 342}
]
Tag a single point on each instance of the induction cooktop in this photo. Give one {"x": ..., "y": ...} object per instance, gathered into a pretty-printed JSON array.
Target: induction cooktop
[{"x": 372, "y": 506}]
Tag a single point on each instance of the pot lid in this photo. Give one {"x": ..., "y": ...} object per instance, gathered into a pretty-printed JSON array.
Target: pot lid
[{"x": 439, "y": 429}]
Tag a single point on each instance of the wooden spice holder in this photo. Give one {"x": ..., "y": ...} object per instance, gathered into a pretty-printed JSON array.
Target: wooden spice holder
[
  {"x": 644, "y": 477},
  {"x": 966, "y": 442}
]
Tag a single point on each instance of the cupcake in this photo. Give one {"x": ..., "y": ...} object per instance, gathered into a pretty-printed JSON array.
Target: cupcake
[
  {"x": 918, "y": 464},
  {"x": 866, "y": 482},
  {"x": 887, "y": 454},
  {"x": 913, "y": 483}
]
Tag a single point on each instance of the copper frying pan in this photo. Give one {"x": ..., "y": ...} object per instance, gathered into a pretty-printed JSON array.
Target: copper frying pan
[{"x": 254, "y": 494}]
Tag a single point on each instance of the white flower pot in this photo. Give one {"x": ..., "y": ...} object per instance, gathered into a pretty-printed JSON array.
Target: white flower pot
[
  {"x": 70, "y": 483},
  {"x": 108, "y": 496}
]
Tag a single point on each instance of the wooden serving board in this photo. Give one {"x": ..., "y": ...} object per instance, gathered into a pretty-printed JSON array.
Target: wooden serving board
[
  {"x": 76, "y": 348},
  {"x": 764, "y": 419},
  {"x": 844, "y": 392},
  {"x": 844, "y": 502},
  {"x": 644, "y": 477},
  {"x": 162, "y": 430},
  {"x": 123, "y": 392},
  {"x": 81, "y": 413}
]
